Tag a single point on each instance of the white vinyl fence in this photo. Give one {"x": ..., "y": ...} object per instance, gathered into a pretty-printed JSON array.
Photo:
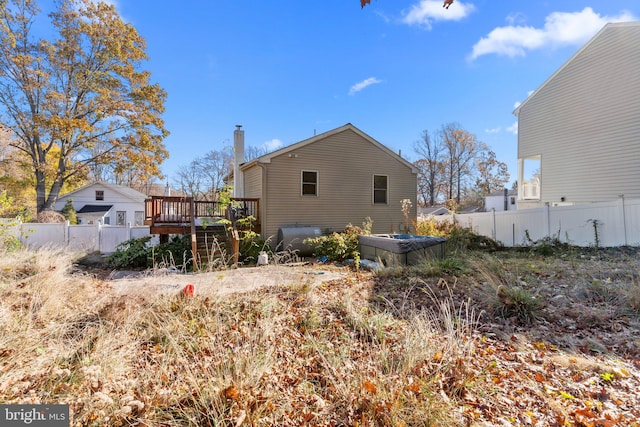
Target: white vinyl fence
[
  {"x": 89, "y": 238},
  {"x": 617, "y": 223}
]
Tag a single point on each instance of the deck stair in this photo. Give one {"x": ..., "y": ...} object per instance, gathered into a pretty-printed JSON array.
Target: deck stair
[
  {"x": 213, "y": 245},
  {"x": 210, "y": 238}
]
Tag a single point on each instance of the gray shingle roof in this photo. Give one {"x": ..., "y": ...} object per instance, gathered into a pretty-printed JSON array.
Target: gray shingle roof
[{"x": 95, "y": 209}]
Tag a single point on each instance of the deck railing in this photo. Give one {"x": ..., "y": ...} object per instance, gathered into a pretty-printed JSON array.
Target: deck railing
[
  {"x": 161, "y": 210},
  {"x": 531, "y": 190}
]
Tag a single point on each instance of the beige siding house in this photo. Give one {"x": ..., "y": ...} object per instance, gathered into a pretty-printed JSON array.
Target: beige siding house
[
  {"x": 580, "y": 130},
  {"x": 339, "y": 177}
]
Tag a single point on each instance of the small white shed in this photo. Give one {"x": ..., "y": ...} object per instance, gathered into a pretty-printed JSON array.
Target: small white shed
[{"x": 503, "y": 200}]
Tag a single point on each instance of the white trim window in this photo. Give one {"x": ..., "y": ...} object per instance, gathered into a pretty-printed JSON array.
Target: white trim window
[
  {"x": 138, "y": 218},
  {"x": 121, "y": 217},
  {"x": 380, "y": 189},
  {"x": 309, "y": 183}
]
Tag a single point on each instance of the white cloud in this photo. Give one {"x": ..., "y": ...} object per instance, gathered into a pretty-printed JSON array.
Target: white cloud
[
  {"x": 494, "y": 130},
  {"x": 513, "y": 128},
  {"x": 363, "y": 84},
  {"x": 515, "y": 18},
  {"x": 383, "y": 16},
  {"x": 272, "y": 145},
  {"x": 560, "y": 29},
  {"x": 426, "y": 11}
]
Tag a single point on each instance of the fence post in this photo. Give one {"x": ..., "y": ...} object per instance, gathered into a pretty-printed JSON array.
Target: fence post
[
  {"x": 494, "y": 223},
  {"x": 624, "y": 218},
  {"x": 20, "y": 235},
  {"x": 99, "y": 242},
  {"x": 548, "y": 219},
  {"x": 67, "y": 224},
  {"x": 194, "y": 238}
]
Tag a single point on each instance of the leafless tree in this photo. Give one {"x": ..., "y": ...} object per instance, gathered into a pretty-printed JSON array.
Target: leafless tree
[
  {"x": 455, "y": 166},
  {"x": 491, "y": 174},
  {"x": 430, "y": 168},
  {"x": 188, "y": 180},
  {"x": 460, "y": 149},
  {"x": 213, "y": 168},
  {"x": 203, "y": 178}
]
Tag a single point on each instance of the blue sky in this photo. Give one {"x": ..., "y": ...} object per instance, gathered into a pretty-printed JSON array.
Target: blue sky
[{"x": 286, "y": 69}]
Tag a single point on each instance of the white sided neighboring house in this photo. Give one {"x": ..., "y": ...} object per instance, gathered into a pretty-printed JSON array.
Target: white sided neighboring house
[
  {"x": 503, "y": 200},
  {"x": 107, "y": 204},
  {"x": 579, "y": 132}
]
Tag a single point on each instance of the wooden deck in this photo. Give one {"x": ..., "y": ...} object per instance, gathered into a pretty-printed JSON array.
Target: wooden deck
[
  {"x": 213, "y": 226},
  {"x": 181, "y": 215}
]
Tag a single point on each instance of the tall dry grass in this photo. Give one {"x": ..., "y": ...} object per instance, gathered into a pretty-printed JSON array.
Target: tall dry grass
[{"x": 287, "y": 355}]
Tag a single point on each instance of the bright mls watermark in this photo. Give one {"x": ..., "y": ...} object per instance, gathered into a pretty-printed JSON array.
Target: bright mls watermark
[{"x": 34, "y": 415}]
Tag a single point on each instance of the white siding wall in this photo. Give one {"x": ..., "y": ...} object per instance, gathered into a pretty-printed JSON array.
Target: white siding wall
[
  {"x": 253, "y": 182},
  {"x": 584, "y": 122},
  {"x": 497, "y": 203}
]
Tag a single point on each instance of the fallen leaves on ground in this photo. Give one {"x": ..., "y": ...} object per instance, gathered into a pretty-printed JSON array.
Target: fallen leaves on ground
[{"x": 369, "y": 350}]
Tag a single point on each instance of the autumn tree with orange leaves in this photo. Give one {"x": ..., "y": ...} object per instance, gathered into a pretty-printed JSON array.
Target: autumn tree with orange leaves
[{"x": 79, "y": 99}]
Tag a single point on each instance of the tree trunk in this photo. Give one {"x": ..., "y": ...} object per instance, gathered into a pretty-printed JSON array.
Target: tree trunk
[
  {"x": 54, "y": 192},
  {"x": 458, "y": 188},
  {"x": 41, "y": 192},
  {"x": 432, "y": 189}
]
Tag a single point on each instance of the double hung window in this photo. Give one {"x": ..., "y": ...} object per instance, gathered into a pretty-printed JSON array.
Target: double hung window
[
  {"x": 309, "y": 183},
  {"x": 380, "y": 189}
]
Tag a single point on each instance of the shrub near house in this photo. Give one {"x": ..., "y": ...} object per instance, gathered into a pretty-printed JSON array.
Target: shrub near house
[{"x": 69, "y": 212}]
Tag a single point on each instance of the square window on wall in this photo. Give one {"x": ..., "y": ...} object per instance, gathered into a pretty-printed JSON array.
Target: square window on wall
[
  {"x": 309, "y": 183},
  {"x": 121, "y": 218},
  {"x": 99, "y": 195},
  {"x": 380, "y": 189},
  {"x": 139, "y": 218}
]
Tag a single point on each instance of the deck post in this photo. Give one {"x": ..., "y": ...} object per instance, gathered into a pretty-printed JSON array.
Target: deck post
[
  {"x": 235, "y": 246},
  {"x": 194, "y": 242}
]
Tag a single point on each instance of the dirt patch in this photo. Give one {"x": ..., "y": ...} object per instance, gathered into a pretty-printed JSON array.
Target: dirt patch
[{"x": 225, "y": 282}]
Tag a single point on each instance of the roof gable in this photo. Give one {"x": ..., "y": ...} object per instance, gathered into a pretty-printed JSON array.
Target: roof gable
[
  {"x": 629, "y": 29},
  {"x": 126, "y": 192},
  {"x": 267, "y": 157},
  {"x": 500, "y": 193}
]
